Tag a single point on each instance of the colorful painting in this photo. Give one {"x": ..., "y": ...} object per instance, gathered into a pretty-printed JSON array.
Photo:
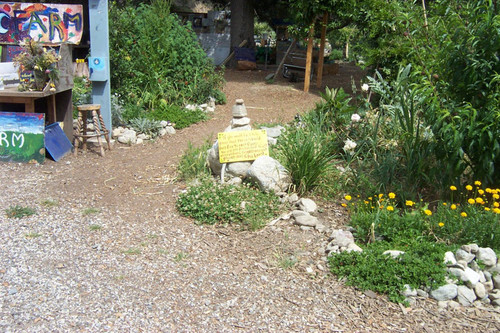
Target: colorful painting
[
  {"x": 22, "y": 137},
  {"x": 48, "y": 23}
]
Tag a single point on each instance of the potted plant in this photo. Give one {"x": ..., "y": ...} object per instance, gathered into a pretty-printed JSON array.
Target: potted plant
[{"x": 41, "y": 62}]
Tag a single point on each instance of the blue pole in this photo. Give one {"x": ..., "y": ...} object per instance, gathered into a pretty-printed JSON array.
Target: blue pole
[{"x": 99, "y": 60}]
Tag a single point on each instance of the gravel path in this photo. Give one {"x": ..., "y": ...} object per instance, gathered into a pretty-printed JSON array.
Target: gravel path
[{"x": 107, "y": 252}]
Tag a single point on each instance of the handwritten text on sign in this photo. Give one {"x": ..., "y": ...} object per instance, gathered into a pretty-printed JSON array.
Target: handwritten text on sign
[
  {"x": 47, "y": 23},
  {"x": 242, "y": 145}
]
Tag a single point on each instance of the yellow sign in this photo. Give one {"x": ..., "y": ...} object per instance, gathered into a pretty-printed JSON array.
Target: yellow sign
[{"x": 242, "y": 145}]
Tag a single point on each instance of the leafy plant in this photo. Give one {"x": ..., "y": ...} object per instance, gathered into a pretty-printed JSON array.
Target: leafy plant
[
  {"x": 146, "y": 126},
  {"x": 180, "y": 116},
  {"x": 210, "y": 202},
  {"x": 152, "y": 71},
  {"x": 82, "y": 89},
  {"x": 306, "y": 152},
  {"x": 420, "y": 266},
  {"x": 95, "y": 227},
  {"x": 132, "y": 251},
  {"x": 19, "y": 212}
]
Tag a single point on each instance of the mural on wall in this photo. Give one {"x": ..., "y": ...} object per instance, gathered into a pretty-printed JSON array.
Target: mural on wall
[
  {"x": 22, "y": 137},
  {"x": 47, "y": 23}
]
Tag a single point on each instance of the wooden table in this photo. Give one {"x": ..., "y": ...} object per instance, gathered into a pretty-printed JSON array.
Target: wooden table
[{"x": 59, "y": 106}]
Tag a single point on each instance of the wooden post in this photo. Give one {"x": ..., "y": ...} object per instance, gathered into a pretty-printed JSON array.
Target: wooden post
[
  {"x": 322, "y": 51},
  {"x": 310, "y": 42}
]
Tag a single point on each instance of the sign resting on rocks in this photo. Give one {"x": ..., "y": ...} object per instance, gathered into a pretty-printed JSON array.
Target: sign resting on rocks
[{"x": 242, "y": 145}]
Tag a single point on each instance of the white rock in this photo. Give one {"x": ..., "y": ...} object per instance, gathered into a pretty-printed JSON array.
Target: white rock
[
  {"x": 191, "y": 107},
  {"x": 162, "y": 132},
  {"x": 271, "y": 141},
  {"x": 393, "y": 253},
  {"x": 453, "y": 305},
  {"x": 239, "y": 122},
  {"x": 473, "y": 248},
  {"x": 422, "y": 293},
  {"x": 449, "y": 258},
  {"x": 480, "y": 290},
  {"x": 488, "y": 285},
  {"x": 139, "y": 141},
  {"x": 236, "y": 129},
  {"x": 269, "y": 174},
  {"x": 203, "y": 106},
  {"x": 496, "y": 281},
  {"x": 238, "y": 169},
  {"x": 342, "y": 238},
  {"x": 304, "y": 219},
  {"x": 468, "y": 275},
  {"x": 307, "y": 205},
  {"x": 320, "y": 227},
  {"x": 465, "y": 295},
  {"x": 236, "y": 181},
  {"x": 445, "y": 293},
  {"x": 213, "y": 159},
  {"x": 210, "y": 109},
  {"x": 143, "y": 136},
  {"x": 170, "y": 130},
  {"x": 164, "y": 123},
  {"x": 494, "y": 294},
  {"x": 487, "y": 256},
  {"x": 117, "y": 131},
  {"x": 273, "y": 132},
  {"x": 353, "y": 247},
  {"x": 129, "y": 136},
  {"x": 463, "y": 255},
  {"x": 408, "y": 291},
  {"x": 293, "y": 198}
]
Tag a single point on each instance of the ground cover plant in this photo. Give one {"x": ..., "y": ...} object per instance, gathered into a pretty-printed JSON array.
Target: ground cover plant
[
  {"x": 158, "y": 66},
  {"x": 19, "y": 211},
  {"x": 211, "y": 202}
]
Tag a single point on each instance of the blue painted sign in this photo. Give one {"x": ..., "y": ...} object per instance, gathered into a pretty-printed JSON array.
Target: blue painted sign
[{"x": 22, "y": 137}]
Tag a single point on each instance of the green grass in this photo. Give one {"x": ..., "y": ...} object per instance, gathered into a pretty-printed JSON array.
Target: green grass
[
  {"x": 193, "y": 163},
  {"x": 19, "y": 212},
  {"x": 95, "y": 227},
  {"x": 90, "y": 211},
  {"x": 32, "y": 234},
  {"x": 132, "y": 251},
  {"x": 49, "y": 202},
  {"x": 285, "y": 261},
  {"x": 180, "y": 256}
]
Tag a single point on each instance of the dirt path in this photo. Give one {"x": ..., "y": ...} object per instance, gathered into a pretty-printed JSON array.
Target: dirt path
[{"x": 133, "y": 264}]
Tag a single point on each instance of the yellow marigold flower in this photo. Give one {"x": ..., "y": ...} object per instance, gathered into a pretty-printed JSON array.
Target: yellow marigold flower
[
  {"x": 496, "y": 210},
  {"x": 366, "y": 202},
  {"x": 441, "y": 224},
  {"x": 477, "y": 183},
  {"x": 343, "y": 205},
  {"x": 453, "y": 188},
  {"x": 390, "y": 208},
  {"x": 381, "y": 207},
  {"x": 380, "y": 195},
  {"x": 427, "y": 212},
  {"x": 392, "y": 195},
  {"x": 471, "y": 201},
  {"x": 480, "y": 201},
  {"x": 488, "y": 190},
  {"x": 480, "y": 192},
  {"x": 370, "y": 198},
  {"x": 463, "y": 214},
  {"x": 496, "y": 204},
  {"x": 453, "y": 206},
  {"x": 496, "y": 196},
  {"x": 487, "y": 209},
  {"x": 348, "y": 197},
  {"x": 468, "y": 188},
  {"x": 445, "y": 204},
  {"x": 409, "y": 203}
]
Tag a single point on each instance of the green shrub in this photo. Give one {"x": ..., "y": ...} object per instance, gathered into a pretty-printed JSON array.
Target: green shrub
[
  {"x": 210, "y": 202},
  {"x": 180, "y": 116},
  {"x": 157, "y": 61},
  {"x": 193, "y": 163},
  {"x": 82, "y": 89}
]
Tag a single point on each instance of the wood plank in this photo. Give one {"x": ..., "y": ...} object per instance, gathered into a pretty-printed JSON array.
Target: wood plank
[
  {"x": 310, "y": 42},
  {"x": 321, "y": 59}
]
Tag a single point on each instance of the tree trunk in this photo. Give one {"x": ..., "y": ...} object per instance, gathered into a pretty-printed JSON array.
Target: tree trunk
[{"x": 242, "y": 25}]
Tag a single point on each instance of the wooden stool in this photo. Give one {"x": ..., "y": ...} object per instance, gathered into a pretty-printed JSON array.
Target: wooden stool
[{"x": 100, "y": 128}]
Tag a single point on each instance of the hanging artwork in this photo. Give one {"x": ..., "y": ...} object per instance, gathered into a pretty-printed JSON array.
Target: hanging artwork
[{"x": 46, "y": 23}]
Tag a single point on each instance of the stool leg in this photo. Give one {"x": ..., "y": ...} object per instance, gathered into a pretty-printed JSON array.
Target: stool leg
[
  {"x": 84, "y": 130},
  {"x": 104, "y": 129},
  {"x": 97, "y": 130},
  {"x": 78, "y": 132}
]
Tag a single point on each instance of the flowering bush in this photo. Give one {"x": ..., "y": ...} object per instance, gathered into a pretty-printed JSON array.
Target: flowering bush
[{"x": 42, "y": 61}]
